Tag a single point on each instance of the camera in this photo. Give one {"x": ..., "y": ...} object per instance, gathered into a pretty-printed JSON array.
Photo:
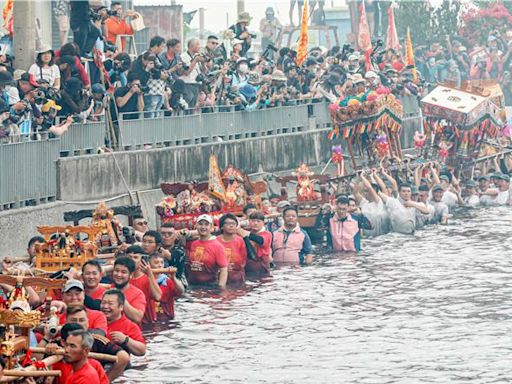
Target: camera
[
  {"x": 129, "y": 235},
  {"x": 253, "y": 35}
]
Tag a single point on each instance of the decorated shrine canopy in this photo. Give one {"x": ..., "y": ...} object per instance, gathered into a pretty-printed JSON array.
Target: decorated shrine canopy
[
  {"x": 373, "y": 113},
  {"x": 461, "y": 108}
]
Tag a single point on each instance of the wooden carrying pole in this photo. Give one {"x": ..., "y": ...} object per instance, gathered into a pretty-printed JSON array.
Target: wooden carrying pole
[
  {"x": 92, "y": 355},
  {"x": 17, "y": 373},
  {"x": 31, "y": 369}
]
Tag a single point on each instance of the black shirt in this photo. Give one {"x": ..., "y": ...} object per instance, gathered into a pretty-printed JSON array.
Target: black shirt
[{"x": 131, "y": 104}]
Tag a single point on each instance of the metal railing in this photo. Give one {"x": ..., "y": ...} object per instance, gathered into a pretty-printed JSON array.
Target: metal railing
[
  {"x": 223, "y": 123},
  {"x": 28, "y": 173},
  {"x": 82, "y": 138}
]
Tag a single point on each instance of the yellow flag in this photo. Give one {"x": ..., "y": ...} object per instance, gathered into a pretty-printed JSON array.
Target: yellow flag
[
  {"x": 302, "y": 49},
  {"x": 409, "y": 54},
  {"x": 215, "y": 184}
]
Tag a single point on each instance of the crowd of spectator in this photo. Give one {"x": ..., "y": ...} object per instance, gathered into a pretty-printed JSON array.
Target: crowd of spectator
[{"x": 94, "y": 78}]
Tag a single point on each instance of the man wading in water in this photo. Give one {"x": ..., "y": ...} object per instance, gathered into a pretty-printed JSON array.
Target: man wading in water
[{"x": 403, "y": 210}]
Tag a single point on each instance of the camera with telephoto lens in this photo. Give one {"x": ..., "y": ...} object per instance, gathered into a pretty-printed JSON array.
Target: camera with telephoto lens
[{"x": 253, "y": 35}]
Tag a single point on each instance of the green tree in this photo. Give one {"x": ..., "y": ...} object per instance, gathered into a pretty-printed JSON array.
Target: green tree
[{"x": 427, "y": 23}]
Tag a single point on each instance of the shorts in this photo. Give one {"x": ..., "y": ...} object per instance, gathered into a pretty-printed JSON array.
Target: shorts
[{"x": 63, "y": 22}]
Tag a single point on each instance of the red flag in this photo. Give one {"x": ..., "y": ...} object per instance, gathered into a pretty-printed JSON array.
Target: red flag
[
  {"x": 364, "y": 39},
  {"x": 392, "y": 36}
]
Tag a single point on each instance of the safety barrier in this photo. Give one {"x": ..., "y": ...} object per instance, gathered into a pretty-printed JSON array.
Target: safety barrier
[
  {"x": 28, "y": 173},
  {"x": 82, "y": 138},
  {"x": 224, "y": 124}
]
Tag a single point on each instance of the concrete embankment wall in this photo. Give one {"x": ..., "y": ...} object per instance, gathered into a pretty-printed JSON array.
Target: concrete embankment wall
[{"x": 96, "y": 177}]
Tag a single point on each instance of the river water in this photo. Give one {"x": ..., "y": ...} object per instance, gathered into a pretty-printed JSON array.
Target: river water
[{"x": 435, "y": 307}]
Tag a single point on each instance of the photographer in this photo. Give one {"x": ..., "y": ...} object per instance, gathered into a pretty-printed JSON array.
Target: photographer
[
  {"x": 156, "y": 83},
  {"x": 74, "y": 99},
  {"x": 242, "y": 33},
  {"x": 45, "y": 68},
  {"x": 130, "y": 98},
  {"x": 192, "y": 60},
  {"x": 213, "y": 49},
  {"x": 268, "y": 28},
  {"x": 116, "y": 25},
  {"x": 117, "y": 69},
  {"x": 240, "y": 74},
  {"x": 171, "y": 59}
]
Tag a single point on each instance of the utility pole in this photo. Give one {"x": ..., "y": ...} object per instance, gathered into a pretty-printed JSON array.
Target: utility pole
[
  {"x": 240, "y": 7},
  {"x": 201, "y": 23},
  {"x": 24, "y": 41}
]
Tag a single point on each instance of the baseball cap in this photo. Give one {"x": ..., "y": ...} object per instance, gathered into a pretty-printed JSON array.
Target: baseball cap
[
  {"x": 73, "y": 284},
  {"x": 504, "y": 177},
  {"x": 371, "y": 75},
  {"x": 98, "y": 88},
  {"x": 444, "y": 177},
  {"x": 437, "y": 187},
  {"x": 471, "y": 184},
  {"x": 283, "y": 204},
  {"x": 207, "y": 218},
  {"x": 484, "y": 177},
  {"x": 414, "y": 190}
]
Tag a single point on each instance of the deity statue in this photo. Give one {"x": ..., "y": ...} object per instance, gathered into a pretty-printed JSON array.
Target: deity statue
[
  {"x": 104, "y": 219},
  {"x": 305, "y": 186}
]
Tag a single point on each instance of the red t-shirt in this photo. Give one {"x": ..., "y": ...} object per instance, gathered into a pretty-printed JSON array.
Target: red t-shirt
[
  {"x": 205, "y": 257},
  {"x": 91, "y": 373},
  {"x": 135, "y": 297},
  {"x": 142, "y": 283},
  {"x": 126, "y": 326},
  {"x": 236, "y": 254},
  {"x": 262, "y": 264},
  {"x": 97, "y": 294},
  {"x": 97, "y": 319},
  {"x": 169, "y": 293}
]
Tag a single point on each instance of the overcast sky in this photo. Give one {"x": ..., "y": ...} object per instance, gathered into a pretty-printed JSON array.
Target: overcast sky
[{"x": 216, "y": 11}]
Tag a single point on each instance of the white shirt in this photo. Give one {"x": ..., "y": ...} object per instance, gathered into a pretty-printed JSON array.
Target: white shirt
[
  {"x": 376, "y": 212},
  {"x": 191, "y": 77},
  {"x": 48, "y": 74},
  {"x": 403, "y": 219},
  {"x": 472, "y": 201},
  {"x": 450, "y": 199}
]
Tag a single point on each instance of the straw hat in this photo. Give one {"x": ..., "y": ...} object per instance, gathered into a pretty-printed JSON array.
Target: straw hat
[
  {"x": 244, "y": 17},
  {"x": 278, "y": 75}
]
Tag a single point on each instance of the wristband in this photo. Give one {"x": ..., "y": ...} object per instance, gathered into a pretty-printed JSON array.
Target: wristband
[{"x": 126, "y": 340}]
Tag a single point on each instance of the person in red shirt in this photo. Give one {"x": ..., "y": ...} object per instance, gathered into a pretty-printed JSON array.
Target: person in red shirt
[
  {"x": 261, "y": 240},
  {"x": 207, "y": 262},
  {"x": 65, "y": 368},
  {"x": 171, "y": 287},
  {"x": 76, "y": 351},
  {"x": 77, "y": 319},
  {"x": 121, "y": 330},
  {"x": 144, "y": 279},
  {"x": 234, "y": 247},
  {"x": 91, "y": 275},
  {"x": 73, "y": 295},
  {"x": 135, "y": 300}
]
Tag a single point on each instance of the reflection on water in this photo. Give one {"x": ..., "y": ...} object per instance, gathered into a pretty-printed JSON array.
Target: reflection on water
[{"x": 435, "y": 307}]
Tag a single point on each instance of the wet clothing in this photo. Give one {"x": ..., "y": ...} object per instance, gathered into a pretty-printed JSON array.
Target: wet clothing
[
  {"x": 169, "y": 294},
  {"x": 291, "y": 246},
  {"x": 377, "y": 214},
  {"x": 205, "y": 258},
  {"x": 142, "y": 282},
  {"x": 440, "y": 210},
  {"x": 403, "y": 219},
  {"x": 261, "y": 265},
  {"x": 236, "y": 254},
  {"x": 345, "y": 232}
]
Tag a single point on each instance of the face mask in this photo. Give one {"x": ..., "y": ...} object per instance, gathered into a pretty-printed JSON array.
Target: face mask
[{"x": 243, "y": 68}]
